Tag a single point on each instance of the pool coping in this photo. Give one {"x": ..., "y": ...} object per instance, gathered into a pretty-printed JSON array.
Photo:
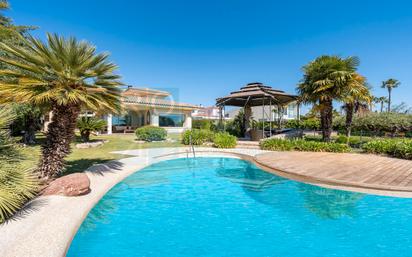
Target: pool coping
[{"x": 50, "y": 229}]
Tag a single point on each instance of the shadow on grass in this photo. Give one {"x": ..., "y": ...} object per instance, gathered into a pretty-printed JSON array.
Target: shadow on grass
[{"x": 108, "y": 166}]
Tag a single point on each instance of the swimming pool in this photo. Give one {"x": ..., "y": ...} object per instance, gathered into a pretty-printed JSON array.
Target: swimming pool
[{"x": 230, "y": 207}]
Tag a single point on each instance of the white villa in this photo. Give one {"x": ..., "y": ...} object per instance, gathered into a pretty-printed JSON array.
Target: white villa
[{"x": 144, "y": 106}]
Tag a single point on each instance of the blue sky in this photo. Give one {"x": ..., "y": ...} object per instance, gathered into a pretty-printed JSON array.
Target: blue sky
[{"x": 201, "y": 50}]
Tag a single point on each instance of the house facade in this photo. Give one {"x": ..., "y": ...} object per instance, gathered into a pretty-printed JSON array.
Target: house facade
[{"x": 144, "y": 106}]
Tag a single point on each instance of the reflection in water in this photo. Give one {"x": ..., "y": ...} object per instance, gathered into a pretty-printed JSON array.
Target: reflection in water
[
  {"x": 329, "y": 203},
  {"x": 99, "y": 214},
  {"x": 248, "y": 176},
  {"x": 259, "y": 185}
]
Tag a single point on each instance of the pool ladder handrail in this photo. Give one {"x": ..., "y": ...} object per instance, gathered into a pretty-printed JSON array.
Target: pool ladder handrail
[{"x": 192, "y": 148}]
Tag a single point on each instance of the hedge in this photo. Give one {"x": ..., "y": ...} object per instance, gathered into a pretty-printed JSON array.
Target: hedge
[
  {"x": 392, "y": 147},
  {"x": 224, "y": 140},
  {"x": 199, "y": 136},
  {"x": 275, "y": 144},
  {"x": 151, "y": 133}
]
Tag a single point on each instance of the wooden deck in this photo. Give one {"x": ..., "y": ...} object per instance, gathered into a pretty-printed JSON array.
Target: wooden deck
[{"x": 352, "y": 170}]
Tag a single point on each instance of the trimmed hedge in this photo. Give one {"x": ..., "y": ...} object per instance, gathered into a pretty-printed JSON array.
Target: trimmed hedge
[
  {"x": 378, "y": 123},
  {"x": 199, "y": 136},
  {"x": 151, "y": 133},
  {"x": 392, "y": 147},
  {"x": 204, "y": 124},
  {"x": 275, "y": 144},
  {"x": 224, "y": 140}
]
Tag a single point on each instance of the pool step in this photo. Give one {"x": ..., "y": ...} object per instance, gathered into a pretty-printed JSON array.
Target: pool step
[{"x": 248, "y": 144}]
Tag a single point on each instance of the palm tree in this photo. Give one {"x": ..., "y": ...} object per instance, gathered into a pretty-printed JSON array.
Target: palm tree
[
  {"x": 326, "y": 79},
  {"x": 390, "y": 84},
  {"x": 87, "y": 125},
  {"x": 381, "y": 100},
  {"x": 357, "y": 95},
  {"x": 65, "y": 75}
]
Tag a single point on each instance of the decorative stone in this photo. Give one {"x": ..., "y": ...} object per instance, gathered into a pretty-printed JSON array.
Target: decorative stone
[
  {"x": 140, "y": 141},
  {"x": 71, "y": 185},
  {"x": 90, "y": 144}
]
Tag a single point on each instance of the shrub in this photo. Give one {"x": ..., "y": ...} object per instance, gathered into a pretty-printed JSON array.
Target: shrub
[
  {"x": 151, "y": 133},
  {"x": 199, "y": 136},
  {"x": 378, "y": 123},
  {"x": 87, "y": 125},
  {"x": 392, "y": 147},
  {"x": 276, "y": 144},
  {"x": 224, "y": 140},
  {"x": 204, "y": 124},
  {"x": 16, "y": 186},
  {"x": 310, "y": 124}
]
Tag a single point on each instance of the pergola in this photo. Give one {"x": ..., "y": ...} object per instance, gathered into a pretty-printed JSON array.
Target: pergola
[{"x": 257, "y": 94}]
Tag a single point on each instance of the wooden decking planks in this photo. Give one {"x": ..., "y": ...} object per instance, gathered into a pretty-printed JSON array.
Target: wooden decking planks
[{"x": 360, "y": 170}]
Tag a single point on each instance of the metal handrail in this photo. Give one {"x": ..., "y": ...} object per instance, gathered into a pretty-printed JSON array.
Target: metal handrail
[{"x": 191, "y": 145}]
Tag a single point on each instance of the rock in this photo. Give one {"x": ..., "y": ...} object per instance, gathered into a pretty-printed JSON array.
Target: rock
[
  {"x": 71, "y": 185},
  {"x": 90, "y": 144},
  {"x": 140, "y": 141}
]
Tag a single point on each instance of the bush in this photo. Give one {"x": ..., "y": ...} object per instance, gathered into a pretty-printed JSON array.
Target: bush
[
  {"x": 17, "y": 186},
  {"x": 204, "y": 124},
  {"x": 151, "y": 133},
  {"x": 378, "y": 123},
  {"x": 310, "y": 124},
  {"x": 275, "y": 144},
  {"x": 224, "y": 140},
  {"x": 392, "y": 147},
  {"x": 199, "y": 136},
  {"x": 87, "y": 125}
]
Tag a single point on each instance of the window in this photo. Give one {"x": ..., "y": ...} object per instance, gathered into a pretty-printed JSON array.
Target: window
[
  {"x": 171, "y": 120},
  {"x": 121, "y": 120}
]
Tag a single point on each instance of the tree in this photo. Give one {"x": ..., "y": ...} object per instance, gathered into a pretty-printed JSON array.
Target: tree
[
  {"x": 65, "y": 75},
  {"x": 87, "y": 125},
  {"x": 390, "y": 84},
  {"x": 326, "y": 79},
  {"x": 381, "y": 100},
  {"x": 357, "y": 95},
  {"x": 27, "y": 122}
]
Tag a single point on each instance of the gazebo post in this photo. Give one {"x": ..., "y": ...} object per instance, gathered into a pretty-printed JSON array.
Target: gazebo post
[
  {"x": 263, "y": 117},
  {"x": 270, "y": 117}
]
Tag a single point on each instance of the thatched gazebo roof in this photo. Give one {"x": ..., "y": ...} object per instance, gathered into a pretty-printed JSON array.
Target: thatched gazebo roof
[{"x": 254, "y": 94}]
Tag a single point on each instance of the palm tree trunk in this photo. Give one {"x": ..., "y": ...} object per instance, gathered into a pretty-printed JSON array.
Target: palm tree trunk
[
  {"x": 29, "y": 137},
  {"x": 382, "y": 106},
  {"x": 389, "y": 99},
  {"x": 326, "y": 116},
  {"x": 60, "y": 134},
  {"x": 349, "y": 118}
]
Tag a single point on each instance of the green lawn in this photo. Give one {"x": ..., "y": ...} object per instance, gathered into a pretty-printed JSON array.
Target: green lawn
[{"x": 81, "y": 159}]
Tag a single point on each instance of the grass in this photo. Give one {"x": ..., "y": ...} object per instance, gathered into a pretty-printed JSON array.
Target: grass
[{"x": 80, "y": 159}]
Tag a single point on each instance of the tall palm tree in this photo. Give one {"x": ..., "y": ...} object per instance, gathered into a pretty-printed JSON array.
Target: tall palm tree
[
  {"x": 357, "y": 95},
  {"x": 390, "y": 84},
  {"x": 326, "y": 79},
  {"x": 65, "y": 75}
]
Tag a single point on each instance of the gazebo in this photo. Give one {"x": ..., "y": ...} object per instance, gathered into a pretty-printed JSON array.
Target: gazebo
[{"x": 256, "y": 94}]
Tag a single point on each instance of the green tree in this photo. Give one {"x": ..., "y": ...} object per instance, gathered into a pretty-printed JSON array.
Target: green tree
[
  {"x": 357, "y": 95},
  {"x": 65, "y": 75},
  {"x": 326, "y": 79},
  {"x": 87, "y": 125},
  {"x": 390, "y": 84},
  {"x": 381, "y": 100}
]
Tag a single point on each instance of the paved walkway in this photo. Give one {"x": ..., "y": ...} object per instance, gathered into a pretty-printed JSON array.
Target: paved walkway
[{"x": 353, "y": 170}]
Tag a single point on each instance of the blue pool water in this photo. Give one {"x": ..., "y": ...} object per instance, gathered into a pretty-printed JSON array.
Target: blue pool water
[{"x": 229, "y": 207}]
